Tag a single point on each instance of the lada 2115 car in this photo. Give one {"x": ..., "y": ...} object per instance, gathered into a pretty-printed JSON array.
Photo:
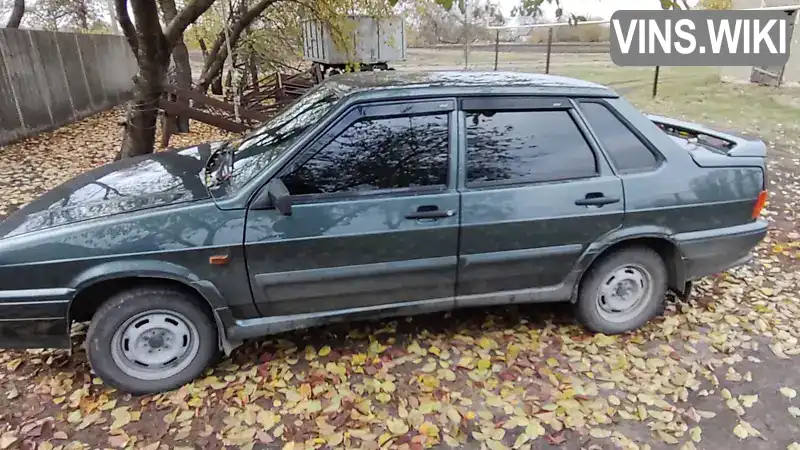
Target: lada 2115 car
[{"x": 380, "y": 194}]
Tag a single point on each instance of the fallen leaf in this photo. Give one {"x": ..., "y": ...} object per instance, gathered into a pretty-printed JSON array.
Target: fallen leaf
[{"x": 788, "y": 392}]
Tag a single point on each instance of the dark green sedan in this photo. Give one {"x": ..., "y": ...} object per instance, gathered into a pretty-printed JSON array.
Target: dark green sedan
[{"x": 374, "y": 195}]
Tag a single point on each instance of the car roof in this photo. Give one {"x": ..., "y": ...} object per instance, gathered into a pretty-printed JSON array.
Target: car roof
[{"x": 432, "y": 82}]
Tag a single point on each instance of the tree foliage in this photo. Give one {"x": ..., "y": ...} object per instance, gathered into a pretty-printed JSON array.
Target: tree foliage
[{"x": 716, "y": 4}]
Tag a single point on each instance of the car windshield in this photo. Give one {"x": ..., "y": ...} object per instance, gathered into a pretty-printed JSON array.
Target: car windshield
[{"x": 255, "y": 151}]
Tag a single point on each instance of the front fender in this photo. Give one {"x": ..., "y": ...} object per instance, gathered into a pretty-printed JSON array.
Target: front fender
[
  {"x": 155, "y": 269},
  {"x": 148, "y": 269}
]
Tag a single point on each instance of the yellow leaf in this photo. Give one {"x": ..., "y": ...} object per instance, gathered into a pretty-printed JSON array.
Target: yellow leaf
[
  {"x": 484, "y": 364},
  {"x": 740, "y": 431},
  {"x": 75, "y": 417},
  {"x": 534, "y": 429},
  {"x": 496, "y": 445},
  {"x": 415, "y": 348},
  {"x": 325, "y": 351},
  {"x": 453, "y": 415},
  {"x": 696, "y": 434},
  {"x": 487, "y": 344},
  {"x": 748, "y": 400},
  {"x": 334, "y": 439},
  {"x": 666, "y": 437},
  {"x": 267, "y": 419},
  {"x": 614, "y": 400},
  {"x": 185, "y": 416},
  {"x": 429, "y": 367},
  {"x": 465, "y": 362},
  {"x": 788, "y": 392},
  {"x": 793, "y": 446},
  {"x": 429, "y": 429},
  {"x": 512, "y": 351},
  {"x": 552, "y": 362},
  {"x": 13, "y": 364},
  {"x": 397, "y": 426},
  {"x": 359, "y": 359},
  {"x": 498, "y": 434},
  {"x": 599, "y": 433},
  {"x": 384, "y": 438},
  {"x": 447, "y": 374},
  {"x": 521, "y": 440},
  {"x": 121, "y": 417},
  {"x": 383, "y": 397}
]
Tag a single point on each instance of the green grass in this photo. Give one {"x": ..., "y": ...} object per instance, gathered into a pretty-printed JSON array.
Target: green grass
[{"x": 697, "y": 94}]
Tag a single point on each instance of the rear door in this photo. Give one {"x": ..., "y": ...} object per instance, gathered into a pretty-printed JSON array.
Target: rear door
[
  {"x": 374, "y": 219},
  {"x": 536, "y": 191}
]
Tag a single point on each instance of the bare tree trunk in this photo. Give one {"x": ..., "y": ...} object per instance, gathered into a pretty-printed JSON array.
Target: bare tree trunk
[
  {"x": 183, "y": 75},
  {"x": 152, "y": 46},
  {"x": 202, "y": 43},
  {"x": 183, "y": 68},
  {"x": 16, "y": 14}
]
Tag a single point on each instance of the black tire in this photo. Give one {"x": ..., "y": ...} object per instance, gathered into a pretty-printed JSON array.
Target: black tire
[
  {"x": 593, "y": 312},
  {"x": 119, "y": 309}
]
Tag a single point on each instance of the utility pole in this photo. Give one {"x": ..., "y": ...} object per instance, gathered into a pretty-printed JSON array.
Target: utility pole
[
  {"x": 466, "y": 35},
  {"x": 112, "y": 10}
]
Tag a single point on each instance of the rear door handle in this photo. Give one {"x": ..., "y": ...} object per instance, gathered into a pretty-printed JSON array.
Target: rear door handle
[
  {"x": 430, "y": 212},
  {"x": 596, "y": 200}
]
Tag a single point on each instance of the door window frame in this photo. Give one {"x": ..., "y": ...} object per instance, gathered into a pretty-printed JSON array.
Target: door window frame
[
  {"x": 379, "y": 110},
  {"x": 526, "y": 103}
]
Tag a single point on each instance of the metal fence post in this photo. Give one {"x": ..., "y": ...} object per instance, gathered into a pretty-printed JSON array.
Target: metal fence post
[
  {"x": 549, "y": 49},
  {"x": 496, "y": 48},
  {"x": 655, "y": 82}
]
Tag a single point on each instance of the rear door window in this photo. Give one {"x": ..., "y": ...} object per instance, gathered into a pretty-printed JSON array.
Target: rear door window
[{"x": 509, "y": 147}]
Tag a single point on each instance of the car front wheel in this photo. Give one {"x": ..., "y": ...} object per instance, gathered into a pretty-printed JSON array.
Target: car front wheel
[
  {"x": 150, "y": 339},
  {"x": 622, "y": 291}
]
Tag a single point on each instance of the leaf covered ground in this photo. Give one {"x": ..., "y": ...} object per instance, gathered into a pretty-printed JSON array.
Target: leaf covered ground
[{"x": 717, "y": 372}]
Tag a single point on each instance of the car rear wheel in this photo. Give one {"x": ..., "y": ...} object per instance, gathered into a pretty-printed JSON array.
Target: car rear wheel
[
  {"x": 622, "y": 291},
  {"x": 150, "y": 339}
]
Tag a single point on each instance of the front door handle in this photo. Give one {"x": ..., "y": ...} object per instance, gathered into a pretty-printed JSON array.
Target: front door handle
[
  {"x": 430, "y": 212},
  {"x": 596, "y": 199}
]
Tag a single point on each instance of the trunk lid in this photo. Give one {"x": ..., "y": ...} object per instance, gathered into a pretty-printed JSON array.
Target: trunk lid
[{"x": 713, "y": 148}]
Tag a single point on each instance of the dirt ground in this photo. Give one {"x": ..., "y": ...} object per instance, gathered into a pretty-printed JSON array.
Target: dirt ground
[{"x": 717, "y": 372}]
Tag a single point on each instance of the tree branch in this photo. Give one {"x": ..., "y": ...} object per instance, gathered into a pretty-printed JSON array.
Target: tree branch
[
  {"x": 16, "y": 14},
  {"x": 128, "y": 30},
  {"x": 186, "y": 17},
  {"x": 168, "y": 9},
  {"x": 219, "y": 52}
]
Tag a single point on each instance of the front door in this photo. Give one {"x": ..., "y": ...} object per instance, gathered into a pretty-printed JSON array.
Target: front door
[
  {"x": 374, "y": 219},
  {"x": 536, "y": 192}
]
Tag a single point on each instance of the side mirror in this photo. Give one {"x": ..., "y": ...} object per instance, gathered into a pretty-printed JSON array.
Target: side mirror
[{"x": 279, "y": 196}]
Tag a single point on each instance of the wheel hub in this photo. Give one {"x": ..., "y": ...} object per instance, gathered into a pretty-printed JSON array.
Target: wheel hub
[
  {"x": 155, "y": 345},
  {"x": 623, "y": 291}
]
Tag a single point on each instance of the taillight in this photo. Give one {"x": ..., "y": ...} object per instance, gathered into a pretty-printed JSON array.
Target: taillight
[{"x": 760, "y": 201}]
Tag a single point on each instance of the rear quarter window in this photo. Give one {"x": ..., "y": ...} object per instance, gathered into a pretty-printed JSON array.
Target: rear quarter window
[{"x": 627, "y": 152}]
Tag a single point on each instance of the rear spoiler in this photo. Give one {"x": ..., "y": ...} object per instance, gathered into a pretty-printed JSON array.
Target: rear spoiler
[{"x": 729, "y": 143}]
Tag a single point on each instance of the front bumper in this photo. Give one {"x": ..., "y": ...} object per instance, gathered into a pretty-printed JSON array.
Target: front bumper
[
  {"x": 711, "y": 252},
  {"x": 35, "y": 318}
]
